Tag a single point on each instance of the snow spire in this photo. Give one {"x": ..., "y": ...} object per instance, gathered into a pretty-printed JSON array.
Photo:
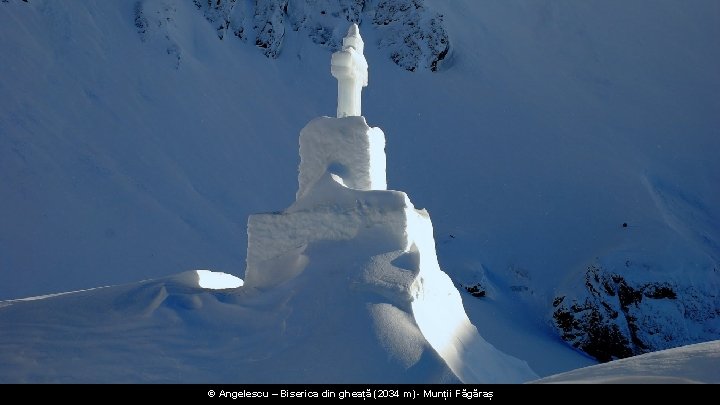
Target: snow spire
[{"x": 350, "y": 68}]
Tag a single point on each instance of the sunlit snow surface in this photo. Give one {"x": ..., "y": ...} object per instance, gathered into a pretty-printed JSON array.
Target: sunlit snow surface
[{"x": 217, "y": 280}]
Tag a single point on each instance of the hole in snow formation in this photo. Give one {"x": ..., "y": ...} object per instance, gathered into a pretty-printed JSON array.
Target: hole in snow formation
[
  {"x": 216, "y": 280},
  {"x": 339, "y": 170}
]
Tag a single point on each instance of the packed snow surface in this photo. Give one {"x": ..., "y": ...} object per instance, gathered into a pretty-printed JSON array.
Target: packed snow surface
[{"x": 696, "y": 363}]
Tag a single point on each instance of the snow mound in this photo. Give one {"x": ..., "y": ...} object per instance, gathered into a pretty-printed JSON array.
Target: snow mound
[
  {"x": 696, "y": 363},
  {"x": 331, "y": 323},
  {"x": 171, "y": 330}
]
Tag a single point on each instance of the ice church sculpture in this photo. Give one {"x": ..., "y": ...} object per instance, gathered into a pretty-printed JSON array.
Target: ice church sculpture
[{"x": 342, "y": 197}]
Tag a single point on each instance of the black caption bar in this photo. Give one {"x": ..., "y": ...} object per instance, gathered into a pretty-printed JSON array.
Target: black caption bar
[{"x": 483, "y": 393}]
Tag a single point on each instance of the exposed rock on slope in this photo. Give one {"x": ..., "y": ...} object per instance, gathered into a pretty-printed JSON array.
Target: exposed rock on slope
[
  {"x": 618, "y": 314},
  {"x": 412, "y": 35}
]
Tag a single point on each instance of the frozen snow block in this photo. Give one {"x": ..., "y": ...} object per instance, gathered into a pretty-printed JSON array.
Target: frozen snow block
[{"x": 346, "y": 147}]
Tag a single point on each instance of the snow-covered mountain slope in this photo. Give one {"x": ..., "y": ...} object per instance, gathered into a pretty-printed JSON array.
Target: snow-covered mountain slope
[
  {"x": 128, "y": 154},
  {"x": 696, "y": 363}
]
